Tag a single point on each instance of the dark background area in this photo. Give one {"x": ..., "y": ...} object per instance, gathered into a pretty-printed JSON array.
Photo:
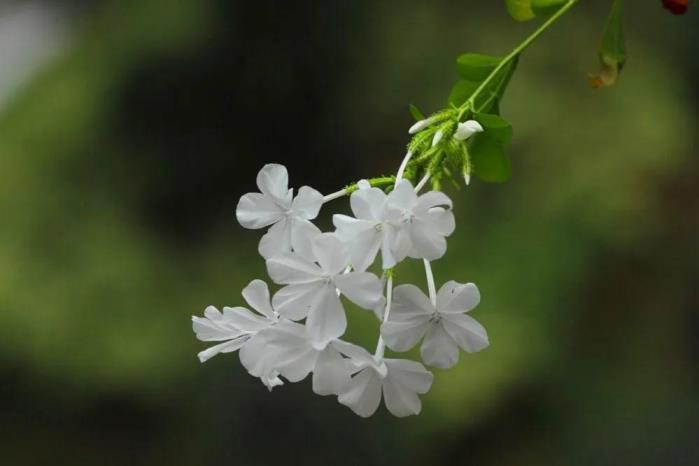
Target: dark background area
[{"x": 129, "y": 130}]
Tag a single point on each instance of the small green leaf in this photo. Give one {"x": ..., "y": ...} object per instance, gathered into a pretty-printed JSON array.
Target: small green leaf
[
  {"x": 525, "y": 10},
  {"x": 613, "y": 41},
  {"x": 476, "y": 67},
  {"x": 520, "y": 10},
  {"x": 416, "y": 113},
  {"x": 488, "y": 157},
  {"x": 612, "y": 52}
]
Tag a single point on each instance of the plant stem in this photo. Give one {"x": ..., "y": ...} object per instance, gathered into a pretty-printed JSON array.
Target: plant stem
[
  {"x": 381, "y": 345},
  {"x": 403, "y": 164},
  {"x": 352, "y": 187},
  {"x": 422, "y": 182},
  {"x": 512, "y": 55},
  {"x": 336, "y": 195},
  {"x": 431, "y": 289}
]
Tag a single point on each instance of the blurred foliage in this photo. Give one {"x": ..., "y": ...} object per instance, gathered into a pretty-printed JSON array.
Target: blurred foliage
[{"x": 585, "y": 259}]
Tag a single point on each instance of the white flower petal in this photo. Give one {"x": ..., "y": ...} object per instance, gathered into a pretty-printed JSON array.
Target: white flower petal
[
  {"x": 225, "y": 347},
  {"x": 405, "y": 380},
  {"x": 362, "y": 288},
  {"x": 303, "y": 233},
  {"x": 272, "y": 380},
  {"x": 330, "y": 374},
  {"x": 432, "y": 199},
  {"x": 408, "y": 302},
  {"x": 442, "y": 220},
  {"x": 255, "y": 211},
  {"x": 326, "y": 319},
  {"x": 277, "y": 240},
  {"x": 355, "y": 352},
  {"x": 257, "y": 356},
  {"x": 388, "y": 237},
  {"x": 439, "y": 349},
  {"x": 397, "y": 241},
  {"x": 307, "y": 203},
  {"x": 455, "y": 297},
  {"x": 256, "y": 294},
  {"x": 273, "y": 181},
  {"x": 363, "y": 393},
  {"x": 362, "y": 238},
  {"x": 409, "y": 374},
  {"x": 409, "y": 318},
  {"x": 213, "y": 326},
  {"x": 244, "y": 320},
  {"x": 368, "y": 204},
  {"x": 426, "y": 242},
  {"x": 403, "y": 196},
  {"x": 295, "y": 301},
  {"x": 330, "y": 253},
  {"x": 402, "y": 336},
  {"x": 295, "y": 357},
  {"x": 466, "y": 331},
  {"x": 292, "y": 268}
]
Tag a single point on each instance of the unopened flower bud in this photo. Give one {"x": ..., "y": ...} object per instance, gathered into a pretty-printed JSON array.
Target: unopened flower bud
[
  {"x": 363, "y": 184},
  {"x": 420, "y": 125},
  {"x": 437, "y": 137},
  {"x": 467, "y": 129}
]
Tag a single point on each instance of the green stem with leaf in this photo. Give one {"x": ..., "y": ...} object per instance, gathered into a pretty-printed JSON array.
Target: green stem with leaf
[{"x": 470, "y": 103}]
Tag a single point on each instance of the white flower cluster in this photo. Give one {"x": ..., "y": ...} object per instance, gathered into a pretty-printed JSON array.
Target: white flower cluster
[{"x": 298, "y": 330}]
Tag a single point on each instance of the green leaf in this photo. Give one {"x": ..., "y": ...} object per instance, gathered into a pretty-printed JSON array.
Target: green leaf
[
  {"x": 416, "y": 113},
  {"x": 489, "y": 98},
  {"x": 476, "y": 67},
  {"x": 462, "y": 91},
  {"x": 612, "y": 52},
  {"x": 489, "y": 160},
  {"x": 520, "y": 10},
  {"x": 613, "y": 41},
  {"x": 525, "y": 10}
]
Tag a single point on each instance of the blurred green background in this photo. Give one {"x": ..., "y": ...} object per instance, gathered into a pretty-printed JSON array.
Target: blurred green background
[{"x": 130, "y": 128}]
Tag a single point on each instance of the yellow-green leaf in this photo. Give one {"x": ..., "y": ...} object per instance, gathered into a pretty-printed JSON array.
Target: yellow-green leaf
[
  {"x": 520, "y": 10},
  {"x": 612, "y": 52}
]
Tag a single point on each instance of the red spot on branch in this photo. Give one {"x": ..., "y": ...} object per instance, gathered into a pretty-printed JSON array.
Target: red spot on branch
[{"x": 678, "y": 7}]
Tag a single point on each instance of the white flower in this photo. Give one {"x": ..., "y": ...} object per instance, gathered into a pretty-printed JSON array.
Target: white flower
[
  {"x": 399, "y": 224},
  {"x": 311, "y": 288},
  {"x": 275, "y": 205},
  {"x": 400, "y": 380},
  {"x": 239, "y": 329},
  {"x": 293, "y": 356},
  {"x": 445, "y": 328},
  {"x": 217, "y": 326},
  {"x": 369, "y": 231},
  {"x": 422, "y": 223},
  {"x": 467, "y": 129}
]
